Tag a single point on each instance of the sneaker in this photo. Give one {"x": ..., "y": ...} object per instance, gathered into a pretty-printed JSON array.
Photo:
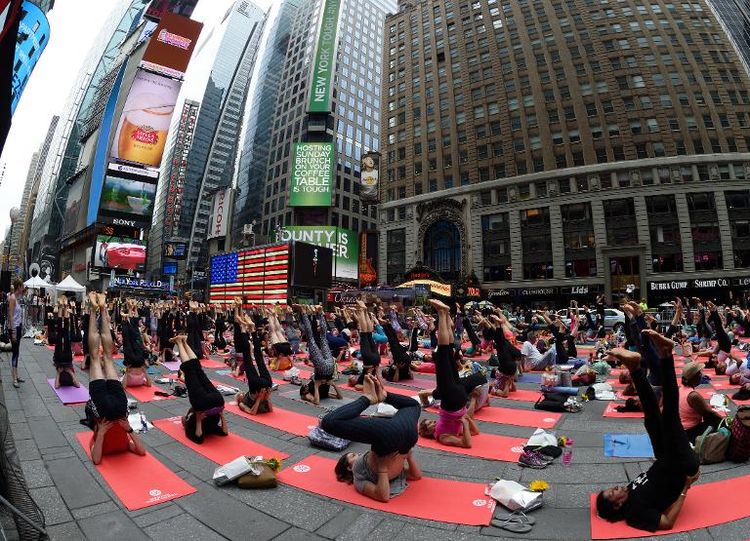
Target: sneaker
[{"x": 534, "y": 459}]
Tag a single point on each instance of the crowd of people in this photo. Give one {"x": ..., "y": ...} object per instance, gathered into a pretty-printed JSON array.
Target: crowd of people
[{"x": 473, "y": 351}]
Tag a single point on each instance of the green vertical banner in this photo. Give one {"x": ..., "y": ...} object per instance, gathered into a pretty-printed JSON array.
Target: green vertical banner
[
  {"x": 325, "y": 58},
  {"x": 312, "y": 175}
]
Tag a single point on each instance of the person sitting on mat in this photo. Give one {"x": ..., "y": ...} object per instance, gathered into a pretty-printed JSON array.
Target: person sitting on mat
[
  {"x": 382, "y": 472},
  {"x": 257, "y": 399},
  {"x": 695, "y": 413},
  {"x": 206, "y": 413},
  {"x": 653, "y": 500},
  {"x": 453, "y": 427},
  {"x": 65, "y": 375},
  {"x": 107, "y": 410}
]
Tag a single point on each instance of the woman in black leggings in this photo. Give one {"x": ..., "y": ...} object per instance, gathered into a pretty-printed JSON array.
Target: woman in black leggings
[
  {"x": 63, "y": 357},
  {"x": 206, "y": 413},
  {"x": 654, "y": 499},
  {"x": 367, "y": 348},
  {"x": 258, "y": 398},
  {"x": 453, "y": 427},
  {"x": 382, "y": 472},
  {"x": 324, "y": 365},
  {"x": 400, "y": 369}
]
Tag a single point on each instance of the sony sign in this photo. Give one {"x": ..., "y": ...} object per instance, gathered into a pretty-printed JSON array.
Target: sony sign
[{"x": 120, "y": 221}]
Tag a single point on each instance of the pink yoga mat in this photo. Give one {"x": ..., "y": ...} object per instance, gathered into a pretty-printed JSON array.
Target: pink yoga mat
[
  {"x": 612, "y": 412},
  {"x": 172, "y": 366},
  {"x": 138, "y": 481},
  {"x": 145, "y": 393},
  {"x": 280, "y": 419},
  {"x": 706, "y": 505},
  {"x": 70, "y": 395},
  {"x": 504, "y": 448},
  {"x": 210, "y": 363},
  {"x": 518, "y": 417},
  {"x": 219, "y": 449},
  {"x": 520, "y": 395},
  {"x": 455, "y": 502}
]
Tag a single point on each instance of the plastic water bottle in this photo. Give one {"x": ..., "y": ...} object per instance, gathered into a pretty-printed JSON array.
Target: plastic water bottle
[{"x": 567, "y": 455}]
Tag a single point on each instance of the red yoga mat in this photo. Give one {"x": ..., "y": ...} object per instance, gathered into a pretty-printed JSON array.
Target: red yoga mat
[
  {"x": 610, "y": 411},
  {"x": 145, "y": 393},
  {"x": 706, "y": 505},
  {"x": 280, "y": 419},
  {"x": 490, "y": 446},
  {"x": 219, "y": 449},
  {"x": 518, "y": 417},
  {"x": 520, "y": 395},
  {"x": 139, "y": 481},
  {"x": 210, "y": 363},
  {"x": 455, "y": 502}
]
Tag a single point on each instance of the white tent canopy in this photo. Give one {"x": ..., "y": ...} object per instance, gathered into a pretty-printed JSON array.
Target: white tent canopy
[
  {"x": 69, "y": 285},
  {"x": 36, "y": 283}
]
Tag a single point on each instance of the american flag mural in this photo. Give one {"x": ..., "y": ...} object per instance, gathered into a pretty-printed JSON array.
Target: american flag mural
[{"x": 260, "y": 275}]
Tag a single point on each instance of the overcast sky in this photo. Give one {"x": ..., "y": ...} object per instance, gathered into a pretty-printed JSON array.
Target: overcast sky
[{"x": 74, "y": 25}]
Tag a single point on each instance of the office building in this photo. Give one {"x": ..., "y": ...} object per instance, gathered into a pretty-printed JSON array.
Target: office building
[{"x": 561, "y": 149}]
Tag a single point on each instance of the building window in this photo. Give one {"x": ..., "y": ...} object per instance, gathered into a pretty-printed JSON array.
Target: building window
[{"x": 396, "y": 255}]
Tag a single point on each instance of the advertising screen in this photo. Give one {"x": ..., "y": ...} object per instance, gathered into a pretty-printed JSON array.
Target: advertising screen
[
  {"x": 159, "y": 8},
  {"x": 175, "y": 250},
  {"x": 33, "y": 34},
  {"x": 325, "y": 58},
  {"x": 73, "y": 207},
  {"x": 259, "y": 275},
  {"x": 144, "y": 123},
  {"x": 343, "y": 242},
  {"x": 312, "y": 175},
  {"x": 312, "y": 266},
  {"x": 219, "y": 218},
  {"x": 127, "y": 196},
  {"x": 119, "y": 253},
  {"x": 171, "y": 45},
  {"x": 169, "y": 268},
  {"x": 369, "y": 176}
]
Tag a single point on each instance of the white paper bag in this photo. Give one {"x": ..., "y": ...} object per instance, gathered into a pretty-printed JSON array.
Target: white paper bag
[
  {"x": 236, "y": 468},
  {"x": 291, "y": 373},
  {"x": 541, "y": 438},
  {"x": 515, "y": 497}
]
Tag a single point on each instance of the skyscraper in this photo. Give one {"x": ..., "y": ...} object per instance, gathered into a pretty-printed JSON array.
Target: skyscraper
[
  {"x": 259, "y": 118},
  {"x": 168, "y": 205},
  {"x": 213, "y": 154},
  {"x": 734, "y": 16},
  {"x": 564, "y": 149},
  {"x": 355, "y": 110}
]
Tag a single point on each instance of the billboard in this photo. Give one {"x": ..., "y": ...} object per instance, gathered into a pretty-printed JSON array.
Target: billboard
[
  {"x": 128, "y": 196},
  {"x": 171, "y": 45},
  {"x": 119, "y": 253},
  {"x": 312, "y": 175},
  {"x": 368, "y": 259},
  {"x": 175, "y": 250},
  {"x": 259, "y": 275},
  {"x": 343, "y": 242},
  {"x": 159, "y": 8},
  {"x": 312, "y": 266},
  {"x": 169, "y": 268},
  {"x": 73, "y": 207},
  {"x": 370, "y": 176},
  {"x": 33, "y": 36},
  {"x": 142, "y": 130},
  {"x": 325, "y": 58},
  {"x": 219, "y": 218}
]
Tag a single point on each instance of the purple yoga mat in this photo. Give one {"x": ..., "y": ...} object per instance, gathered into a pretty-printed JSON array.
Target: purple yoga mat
[
  {"x": 70, "y": 395},
  {"x": 172, "y": 366}
]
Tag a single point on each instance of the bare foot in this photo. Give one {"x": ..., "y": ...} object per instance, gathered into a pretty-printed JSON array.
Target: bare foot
[
  {"x": 631, "y": 359},
  {"x": 382, "y": 394},
  {"x": 438, "y": 305},
  {"x": 663, "y": 345},
  {"x": 369, "y": 389}
]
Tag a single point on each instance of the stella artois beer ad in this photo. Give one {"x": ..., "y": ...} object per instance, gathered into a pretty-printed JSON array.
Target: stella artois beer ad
[{"x": 144, "y": 124}]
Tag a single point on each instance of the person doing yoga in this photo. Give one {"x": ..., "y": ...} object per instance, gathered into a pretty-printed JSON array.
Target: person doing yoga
[
  {"x": 257, "y": 399},
  {"x": 324, "y": 365},
  {"x": 453, "y": 427},
  {"x": 134, "y": 351},
  {"x": 380, "y": 473},
  {"x": 107, "y": 410},
  {"x": 206, "y": 413},
  {"x": 65, "y": 375},
  {"x": 282, "y": 359},
  {"x": 653, "y": 500},
  {"x": 367, "y": 348}
]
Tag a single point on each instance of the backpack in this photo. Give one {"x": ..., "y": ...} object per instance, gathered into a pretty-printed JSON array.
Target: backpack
[
  {"x": 711, "y": 446},
  {"x": 739, "y": 441},
  {"x": 551, "y": 401},
  {"x": 323, "y": 440}
]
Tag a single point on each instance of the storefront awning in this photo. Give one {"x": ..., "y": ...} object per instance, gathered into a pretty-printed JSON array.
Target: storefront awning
[{"x": 435, "y": 287}]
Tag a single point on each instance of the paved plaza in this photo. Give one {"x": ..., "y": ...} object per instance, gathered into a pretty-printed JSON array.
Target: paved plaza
[{"x": 78, "y": 504}]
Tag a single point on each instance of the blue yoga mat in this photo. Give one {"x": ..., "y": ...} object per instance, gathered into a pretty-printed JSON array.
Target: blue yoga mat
[
  {"x": 150, "y": 370},
  {"x": 628, "y": 445}
]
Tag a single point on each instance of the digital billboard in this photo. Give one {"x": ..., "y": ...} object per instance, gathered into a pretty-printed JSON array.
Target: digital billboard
[
  {"x": 158, "y": 8},
  {"x": 368, "y": 258},
  {"x": 370, "y": 176},
  {"x": 128, "y": 196},
  {"x": 219, "y": 218},
  {"x": 312, "y": 175},
  {"x": 169, "y": 268},
  {"x": 171, "y": 45},
  {"x": 33, "y": 36},
  {"x": 175, "y": 250},
  {"x": 343, "y": 242},
  {"x": 144, "y": 124},
  {"x": 119, "y": 253},
  {"x": 325, "y": 58},
  {"x": 312, "y": 266},
  {"x": 73, "y": 207},
  {"x": 259, "y": 275}
]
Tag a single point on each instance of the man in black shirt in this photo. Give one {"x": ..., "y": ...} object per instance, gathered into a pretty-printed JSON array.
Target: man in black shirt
[{"x": 654, "y": 499}]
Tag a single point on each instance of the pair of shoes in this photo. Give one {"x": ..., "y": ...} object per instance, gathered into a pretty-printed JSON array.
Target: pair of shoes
[
  {"x": 20, "y": 380},
  {"x": 16, "y": 385},
  {"x": 516, "y": 522},
  {"x": 534, "y": 459}
]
